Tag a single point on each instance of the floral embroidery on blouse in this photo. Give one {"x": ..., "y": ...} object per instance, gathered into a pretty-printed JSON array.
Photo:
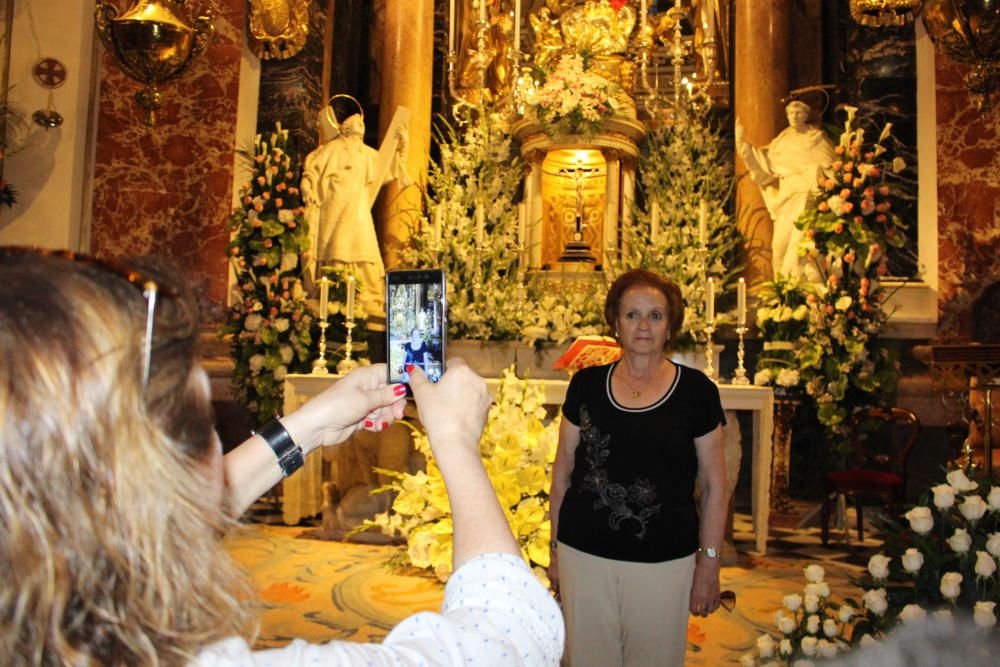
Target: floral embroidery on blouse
[{"x": 635, "y": 502}]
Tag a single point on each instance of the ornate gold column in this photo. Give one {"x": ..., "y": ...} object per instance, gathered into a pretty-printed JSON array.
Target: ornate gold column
[
  {"x": 763, "y": 77},
  {"x": 407, "y": 71}
]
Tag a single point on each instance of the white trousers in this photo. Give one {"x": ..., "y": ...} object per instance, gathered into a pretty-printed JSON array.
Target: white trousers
[{"x": 624, "y": 614}]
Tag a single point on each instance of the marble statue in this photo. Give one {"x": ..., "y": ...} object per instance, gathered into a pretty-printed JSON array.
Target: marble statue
[
  {"x": 787, "y": 171},
  {"x": 337, "y": 180}
]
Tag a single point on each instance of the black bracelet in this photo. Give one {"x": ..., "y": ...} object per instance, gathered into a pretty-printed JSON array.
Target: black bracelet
[{"x": 289, "y": 454}]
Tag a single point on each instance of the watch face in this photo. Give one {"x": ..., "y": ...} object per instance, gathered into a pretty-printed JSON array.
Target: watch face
[{"x": 711, "y": 552}]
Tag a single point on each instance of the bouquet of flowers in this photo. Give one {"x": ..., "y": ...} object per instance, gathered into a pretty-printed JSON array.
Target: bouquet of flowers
[
  {"x": 268, "y": 319},
  {"x": 518, "y": 450},
  {"x": 573, "y": 99},
  {"x": 783, "y": 319},
  {"x": 811, "y": 625},
  {"x": 945, "y": 561}
]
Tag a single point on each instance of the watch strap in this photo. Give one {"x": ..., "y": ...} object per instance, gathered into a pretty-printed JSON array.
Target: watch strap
[{"x": 289, "y": 454}]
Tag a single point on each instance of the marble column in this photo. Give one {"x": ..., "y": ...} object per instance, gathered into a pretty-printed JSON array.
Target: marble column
[
  {"x": 407, "y": 78},
  {"x": 763, "y": 77}
]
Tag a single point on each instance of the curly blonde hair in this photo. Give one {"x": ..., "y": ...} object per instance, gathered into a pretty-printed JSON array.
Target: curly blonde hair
[{"x": 109, "y": 540}]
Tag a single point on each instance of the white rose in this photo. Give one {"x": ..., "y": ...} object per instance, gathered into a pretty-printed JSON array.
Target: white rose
[
  {"x": 256, "y": 363},
  {"x": 792, "y": 602},
  {"x": 843, "y": 303},
  {"x": 944, "y": 495},
  {"x": 808, "y": 646},
  {"x": 878, "y": 566},
  {"x": 912, "y": 613},
  {"x": 785, "y": 647},
  {"x": 951, "y": 585},
  {"x": 787, "y": 377},
  {"x": 814, "y": 574},
  {"x": 921, "y": 520},
  {"x": 763, "y": 377},
  {"x": 830, "y": 628},
  {"x": 787, "y": 625},
  {"x": 253, "y": 322},
  {"x": 286, "y": 354},
  {"x": 823, "y": 589},
  {"x": 913, "y": 560},
  {"x": 811, "y": 603},
  {"x": 812, "y": 624},
  {"x": 280, "y": 372},
  {"x": 960, "y": 541},
  {"x": 984, "y": 615},
  {"x": 846, "y": 613},
  {"x": 765, "y": 646},
  {"x": 876, "y": 601},
  {"x": 868, "y": 640},
  {"x": 985, "y": 565},
  {"x": 281, "y": 324},
  {"x": 993, "y": 545},
  {"x": 973, "y": 508},
  {"x": 993, "y": 499},
  {"x": 747, "y": 660},
  {"x": 958, "y": 479},
  {"x": 836, "y": 204},
  {"x": 827, "y": 649}
]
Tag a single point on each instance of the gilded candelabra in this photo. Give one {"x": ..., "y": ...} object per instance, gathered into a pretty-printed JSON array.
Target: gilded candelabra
[
  {"x": 741, "y": 371},
  {"x": 319, "y": 366},
  {"x": 347, "y": 364}
]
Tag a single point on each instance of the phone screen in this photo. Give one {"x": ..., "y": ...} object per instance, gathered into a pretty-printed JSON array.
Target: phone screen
[{"x": 415, "y": 323}]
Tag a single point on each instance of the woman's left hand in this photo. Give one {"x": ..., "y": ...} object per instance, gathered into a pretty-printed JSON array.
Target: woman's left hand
[
  {"x": 361, "y": 399},
  {"x": 705, "y": 588}
]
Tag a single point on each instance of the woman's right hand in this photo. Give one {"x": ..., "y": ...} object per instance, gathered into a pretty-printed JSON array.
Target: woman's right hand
[{"x": 453, "y": 410}]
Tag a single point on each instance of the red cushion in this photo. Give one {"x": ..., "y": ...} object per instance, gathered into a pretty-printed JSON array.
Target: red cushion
[{"x": 863, "y": 480}]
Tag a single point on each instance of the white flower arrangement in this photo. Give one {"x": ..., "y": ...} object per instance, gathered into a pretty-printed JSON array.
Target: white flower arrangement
[{"x": 573, "y": 99}]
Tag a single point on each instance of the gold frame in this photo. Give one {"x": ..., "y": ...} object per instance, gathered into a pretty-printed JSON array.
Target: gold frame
[{"x": 278, "y": 28}]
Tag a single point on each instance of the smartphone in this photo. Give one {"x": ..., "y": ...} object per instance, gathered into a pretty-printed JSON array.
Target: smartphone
[{"x": 416, "y": 329}]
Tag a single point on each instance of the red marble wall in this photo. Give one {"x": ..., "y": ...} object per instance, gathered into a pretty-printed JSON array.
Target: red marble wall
[
  {"x": 166, "y": 191},
  {"x": 968, "y": 200}
]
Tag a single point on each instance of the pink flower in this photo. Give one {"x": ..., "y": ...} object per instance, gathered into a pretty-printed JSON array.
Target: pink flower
[
  {"x": 268, "y": 243},
  {"x": 869, "y": 192},
  {"x": 829, "y": 309},
  {"x": 278, "y": 202},
  {"x": 266, "y": 195},
  {"x": 880, "y": 218},
  {"x": 839, "y": 150},
  {"x": 849, "y": 166},
  {"x": 837, "y": 164},
  {"x": 824, "y": 207},
  {"x": 849, "y": 258},
  {"x": 884, "y": 190},
  {"x": 261, "y": 180},
  {"x": 838, "y": 228},
  {"x": 858, "y": 219},
  {"x": 858, "y": 182},
  {"x": 847, "y": 207},
  {"x": 845, "y": 193},
  {"x": 847, "y": 178}
]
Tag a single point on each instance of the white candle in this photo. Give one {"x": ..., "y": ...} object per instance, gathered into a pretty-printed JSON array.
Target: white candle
[
  {"x": 451, "y": 27},
  {"x": 437, "y": 224},
  {"x": 517, "y": 29},
  {"x": 482, "y": 10},
  {"x": 642, "y": 19},
  {"x": 710, "y": 302},
  {"x": 350, "y": 298},
  {"x": 654, "y": 222},
  {"x": 324, "y": 296},
  {"x": 741, "y": 302},
  {"x": 703, "y": 223},
  {"x": 480, "y": 225},
  {"x": 522, "y": 225}
]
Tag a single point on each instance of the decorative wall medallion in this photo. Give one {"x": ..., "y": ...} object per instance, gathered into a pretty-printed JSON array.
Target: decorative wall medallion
[
  {"x": 278, "y": 28},
  {"x": 49, "y": 73}
]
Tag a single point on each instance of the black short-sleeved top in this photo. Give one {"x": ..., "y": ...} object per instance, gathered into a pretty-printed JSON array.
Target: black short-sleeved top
[{"x": 631, "y": 492}]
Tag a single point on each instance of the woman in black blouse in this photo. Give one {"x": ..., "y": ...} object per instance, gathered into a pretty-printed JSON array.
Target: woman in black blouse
[{"x": 633, "y": 554}]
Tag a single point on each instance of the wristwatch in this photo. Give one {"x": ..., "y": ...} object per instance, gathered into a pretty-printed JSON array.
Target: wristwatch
[{"x": 710, "y": 552}]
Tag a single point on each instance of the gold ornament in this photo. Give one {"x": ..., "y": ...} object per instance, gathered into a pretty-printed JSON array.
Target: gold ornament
[
  {"x": 884, "y": 13},
  {"x": 278, "y": 28},
  {"x": 153, "y": 44},
  {"x": 968, "y": 32}
]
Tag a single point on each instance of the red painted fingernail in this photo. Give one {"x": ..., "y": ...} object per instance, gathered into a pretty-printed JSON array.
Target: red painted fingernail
[
  {"x": 385, "y": 425},
  {"x": 369, "y": 423},
  {"x": 409, "y": 368},
  {"x": 399, "y": 390}
]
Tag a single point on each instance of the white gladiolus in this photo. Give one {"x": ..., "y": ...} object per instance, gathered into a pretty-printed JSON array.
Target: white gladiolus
[
  {"x": 973, "y": 508},
  {"x": 951, "y": 585},
  {"x": 808, "y": 646},
  {"x": 256, "y": 363},
  {"x": 823, "y": 589},
  {"x": 846, "y": 613},
  {"x": 993, "y": 499},
  {"x": 785, "y": 647},
  {"x": 792, "y": 602},
  {"x": 957, "y": 479},
  {"x": 993, "y": 544},
  {"x": 960, "y": 541},
  {"x": 787, "y": 625},
  {"x": 830, "y": 628},
  {"x": 912, "y": 613},
  {"x": 985, "y": 565},
  {"x": 814, "y": 574},
  {"x": 876, "y": 601},
  {"x": 944, "y": 495},
  {"x": 280, "y": 372},
  {"x": 812, "y": 624},
  {"x": 253, "y": 322},
  {"x": 921, "y": 520},
  {"x": 811, "y": 603},
  {"x": 868, "y": 640},
  {"x": 913, "y": 560},
  {"x": 826, "y": 649},
  {"x": 748, "y": 660},
  {"x": 765, "y": 646},
  {"x": 983, "y": 614},
  {"x": 878, "y": 566}
]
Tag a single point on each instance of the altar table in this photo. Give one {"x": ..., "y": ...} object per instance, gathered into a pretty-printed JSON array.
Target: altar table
[{"x": 303, "y": 489}]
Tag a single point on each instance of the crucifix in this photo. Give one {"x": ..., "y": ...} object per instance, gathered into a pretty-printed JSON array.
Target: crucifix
[{"x": 578, "y": 250}]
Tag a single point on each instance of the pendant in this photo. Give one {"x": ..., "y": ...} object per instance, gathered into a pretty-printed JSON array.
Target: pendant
[{"x": 635, "y": 394}]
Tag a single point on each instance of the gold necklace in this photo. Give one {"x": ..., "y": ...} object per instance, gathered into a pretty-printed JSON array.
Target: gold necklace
[{"x": 635, "y": 392}]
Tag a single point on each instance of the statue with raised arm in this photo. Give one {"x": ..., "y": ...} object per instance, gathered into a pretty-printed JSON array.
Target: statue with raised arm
[
  {"x": 788, "y": 171},
  {"x": 338, "y": 182}
]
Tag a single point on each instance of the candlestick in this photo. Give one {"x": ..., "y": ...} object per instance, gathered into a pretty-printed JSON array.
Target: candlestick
[
  {"x": 350, "y": 298},
  {"x": 741, "y": 302},
  {"x": 654, "y": 222},
  {"x": 710, "y": 302},
  {"x": 451, "y": 26},
  {"x": 709, "y": 353},
  {"x": 319, "y": 366},
  {"x": 324, "y": 297},
  {"x": 517, "y": 30},
  {"x": 741, "y": 371},
  {"x": 702, "y": 223}
]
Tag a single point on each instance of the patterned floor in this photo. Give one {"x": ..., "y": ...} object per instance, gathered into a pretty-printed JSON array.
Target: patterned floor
[{"x": 321, "y": 590}]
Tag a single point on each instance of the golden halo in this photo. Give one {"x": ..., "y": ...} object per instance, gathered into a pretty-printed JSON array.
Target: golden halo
[{"x": 332, "y": 117}]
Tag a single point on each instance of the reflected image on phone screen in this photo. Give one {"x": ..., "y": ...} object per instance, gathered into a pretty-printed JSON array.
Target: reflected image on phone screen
[{"x": 415, "y": 324}]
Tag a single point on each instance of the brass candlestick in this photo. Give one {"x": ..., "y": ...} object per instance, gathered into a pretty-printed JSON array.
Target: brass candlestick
[
  {"x": 709, "y": 360},
  {"x": 346, "y": 365},
  {"x": 741, "y": 371},
  {"x": 319, "y": 366}
]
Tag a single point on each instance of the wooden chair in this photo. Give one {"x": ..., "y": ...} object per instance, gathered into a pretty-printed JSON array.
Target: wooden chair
[{"x": 879, "y": 470}]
